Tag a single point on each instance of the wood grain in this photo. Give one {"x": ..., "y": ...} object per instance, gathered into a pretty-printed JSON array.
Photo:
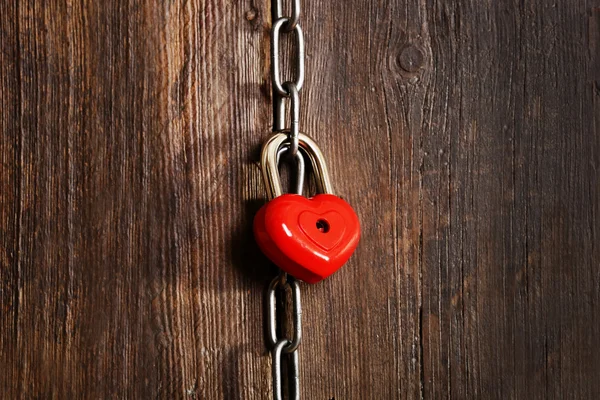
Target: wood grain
[{"x": 465, "y": 133}]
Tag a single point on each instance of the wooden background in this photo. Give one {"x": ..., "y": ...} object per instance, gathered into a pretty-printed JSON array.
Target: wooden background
[{"x": 465, "y": 133}]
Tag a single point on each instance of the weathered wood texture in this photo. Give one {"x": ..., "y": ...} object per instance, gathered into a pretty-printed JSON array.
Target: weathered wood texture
[{"x": 466, "y": 134}]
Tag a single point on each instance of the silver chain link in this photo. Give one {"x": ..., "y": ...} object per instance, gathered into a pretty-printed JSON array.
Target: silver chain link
[
  {"x": 284, "y": 351},
  {"x": 282, "y": 346},
  {"x": 287, "y": 89},
  {"x": 272, "y": 313}
]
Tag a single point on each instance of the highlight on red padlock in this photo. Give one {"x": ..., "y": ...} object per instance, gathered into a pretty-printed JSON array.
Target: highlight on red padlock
[{"x": 309, "y": 238}]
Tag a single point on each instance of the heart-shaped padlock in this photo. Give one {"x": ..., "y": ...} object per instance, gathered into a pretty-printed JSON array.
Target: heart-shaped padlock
[{"x": 309, "y": 238}]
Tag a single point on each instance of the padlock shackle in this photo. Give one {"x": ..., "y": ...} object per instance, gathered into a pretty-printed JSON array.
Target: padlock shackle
[{"x": 270, "y": 169}]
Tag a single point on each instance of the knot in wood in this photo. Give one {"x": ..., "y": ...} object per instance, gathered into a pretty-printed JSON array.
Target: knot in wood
[{"x": 411, "y": 59}]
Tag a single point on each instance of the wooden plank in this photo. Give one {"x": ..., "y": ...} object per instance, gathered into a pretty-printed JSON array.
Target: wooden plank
[{"x": 466, "y": 134}]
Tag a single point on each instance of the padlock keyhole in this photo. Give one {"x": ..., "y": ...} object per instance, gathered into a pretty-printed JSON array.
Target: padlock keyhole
[{"x": 323, "y": 226}]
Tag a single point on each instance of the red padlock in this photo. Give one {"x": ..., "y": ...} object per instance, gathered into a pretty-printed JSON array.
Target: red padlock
[{"x": 309, "y": 238}]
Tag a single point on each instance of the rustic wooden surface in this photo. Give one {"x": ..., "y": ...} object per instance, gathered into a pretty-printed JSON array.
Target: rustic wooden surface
[{"x": 465, "y": 133}]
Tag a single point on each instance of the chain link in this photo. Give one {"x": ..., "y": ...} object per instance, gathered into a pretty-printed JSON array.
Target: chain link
[
  {"x": 275, "y": 61},
  {"x": 287, "y": 89},
  {"x": 272, "y": 311},
  {"x": 294, "y": 378},
  {"x": 278, "y": 13},
  {"x": 284, "y": 346}
]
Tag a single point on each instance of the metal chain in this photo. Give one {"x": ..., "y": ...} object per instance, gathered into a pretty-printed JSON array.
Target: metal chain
[
  {"x": 284, "y": 351},
  {"x": 284, "y": 346},
  {"x": 287, "y": 89}
]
